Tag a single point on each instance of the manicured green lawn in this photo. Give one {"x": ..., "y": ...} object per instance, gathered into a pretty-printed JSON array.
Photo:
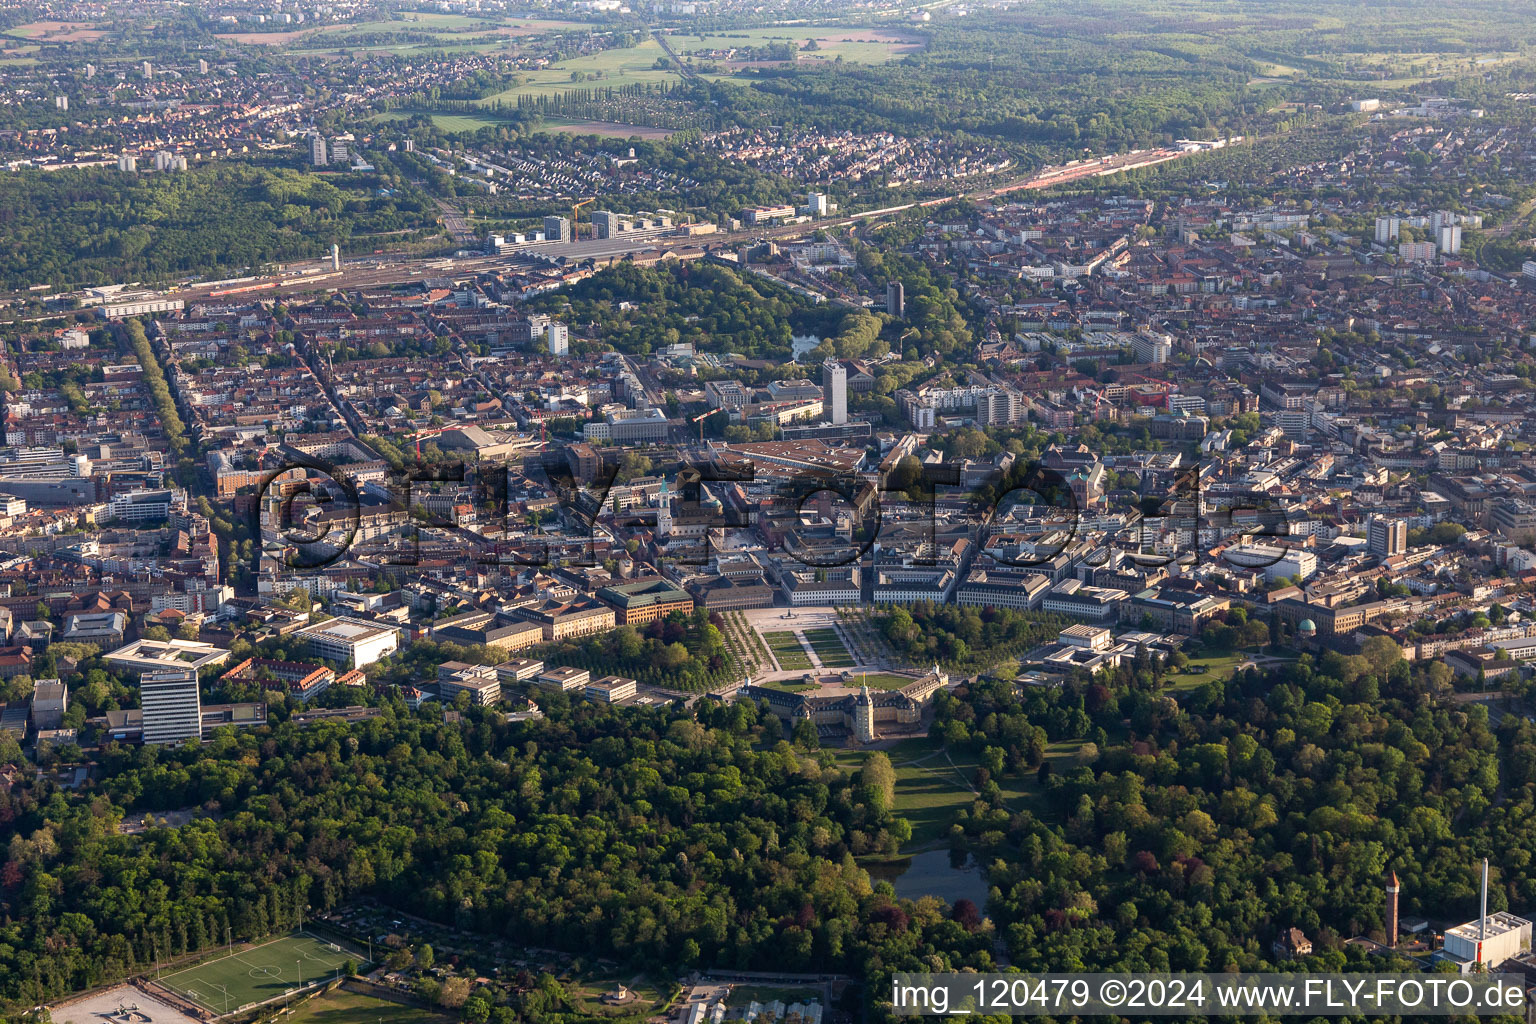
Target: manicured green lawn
[
  {"x": 342, "y": 1007},
  {"x": 931, "y": 791},
  {"x": 589, "y": 990},
  {"x": 788, "y": 687},
  {"x": 445, "y": 122},
  {"x": 829, "y": 648},
  {"x": 786, "y": 648},
  {"x": 1202, "y": 670},
  {"x": 882, "y": 681}
]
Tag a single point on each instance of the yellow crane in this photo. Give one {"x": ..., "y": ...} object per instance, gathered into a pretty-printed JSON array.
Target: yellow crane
[{"x": 576, "y": 218}]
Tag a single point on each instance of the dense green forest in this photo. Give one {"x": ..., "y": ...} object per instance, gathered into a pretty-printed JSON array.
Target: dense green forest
[
  {"x": 643, "y": 835},
  {"x": 716, "y": 308},
  {"x": 1118, "y": 74},
  {"x": 1191, "y": 831},
  {"x": 101, "y": 226},
  {"x": 1180, "y": 834}
]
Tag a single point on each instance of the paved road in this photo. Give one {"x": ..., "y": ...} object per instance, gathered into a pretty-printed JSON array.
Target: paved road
[{"x": 458, "y": 228}]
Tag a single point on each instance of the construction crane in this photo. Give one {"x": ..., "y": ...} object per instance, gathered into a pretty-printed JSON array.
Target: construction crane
[
  {"x": 430, "y": 432},
  {"x": 699, "y": 419},
  {"x": 576, "y": 218}
]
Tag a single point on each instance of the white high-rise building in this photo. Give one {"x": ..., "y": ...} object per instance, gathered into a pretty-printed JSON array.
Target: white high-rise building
[
  {"x": 1388, "y": 229},
  {"x": 62, "y": 102},
  {"x": 817, "y": 203},
  {"x": 172, "y": 708},
  {"x": 149, "y": 71},
  {"x": 90, "y": 71},
  {"x": 558, "y": 336},
  {"x": 834, "y": 387},
  {"x": 317, "y": 153},
  {"x": 202, "y": 67},
  {"x": 1450, "y": 238},
  {"x": 127, "y": 163},
  {"x": 557, "y": 229},
  {"x": 1150, "y": 347}
]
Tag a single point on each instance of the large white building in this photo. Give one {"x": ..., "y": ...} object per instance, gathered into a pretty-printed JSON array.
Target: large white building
[
  {"x": 171, "y": 705},
  {"x": 155, "y": 655},
  {"x": 1504, "y": 936},
  {"x": 353, "y": 642}
]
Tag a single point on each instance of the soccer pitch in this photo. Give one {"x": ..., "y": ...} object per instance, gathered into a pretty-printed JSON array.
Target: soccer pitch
[{"x": 257, "y": 974}]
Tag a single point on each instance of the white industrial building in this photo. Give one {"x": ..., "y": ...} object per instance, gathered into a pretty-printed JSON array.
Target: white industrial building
[{"x": 1503, "y": 936}]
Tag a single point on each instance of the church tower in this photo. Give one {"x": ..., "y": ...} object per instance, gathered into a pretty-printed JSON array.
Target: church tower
[{"x": 664, "y": 512}]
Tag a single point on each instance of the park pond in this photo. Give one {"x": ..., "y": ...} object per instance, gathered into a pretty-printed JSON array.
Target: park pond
[
  {"x": 934, "y": 873},
  {"x": 803, "y": 344}
]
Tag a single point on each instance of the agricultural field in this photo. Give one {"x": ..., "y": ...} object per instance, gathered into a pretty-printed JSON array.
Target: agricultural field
[
  {"x": 611, "y": 68},
  {"x": 852, "y": 44},
  {"x": 445, "y": 122},
  {"x": 58, "y": 31},
  {"x": 448, "y": 31}
]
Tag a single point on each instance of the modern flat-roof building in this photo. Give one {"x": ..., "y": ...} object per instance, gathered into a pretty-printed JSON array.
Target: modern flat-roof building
[
  {"x": 1503, "y": 936},
  {"x": 611, "y": 689},
  {"x": 151, "y": 655},
  {"x": 481, "y": 682},
  {"x": 353, "y": 642},
  {"x": 1089, "y": 604},
  {"x": 49, "y": 701},
  {"x": 564, "y": 678},
  {"x": 519, "y": 670},
  {"x": 171, "y": 705}
]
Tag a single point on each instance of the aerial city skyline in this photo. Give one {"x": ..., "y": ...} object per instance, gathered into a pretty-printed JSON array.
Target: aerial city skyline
[{"x": 786, "y": 511}]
